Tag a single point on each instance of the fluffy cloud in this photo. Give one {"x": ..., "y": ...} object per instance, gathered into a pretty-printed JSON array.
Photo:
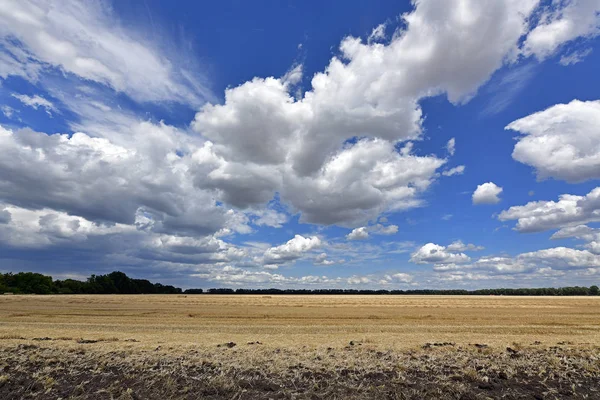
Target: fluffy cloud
[
  {"x": 378, "y": 229},
  {"x": 233, "y": 276},
  {"x": 561, "y": 23},
  {"x": 292, "y": 250},
  {"x": 569, "y": 210},
  {"x": 431, "y": 253},
  {"x": 371, "y": 91},
  {"x": 562, "y": 258},
  {"x": 458, "y": 246},
  {"x": 103, "y": 182},
  {"x": 321, "y": 259},
  {"x": 341, "y": 152},
  {"x": 23, "y": 228},
  {"x": 583, "y": 232},
  {"x": 551, "y": 262},
  {"x": 269, "y": 217},
  {"x": 86, "y": 40},
  {"x": 400, "y": 277},
  {"x": 459, "y": 170},
  {"x": 487, "y": 193},
  {"x": 561, "y": 142},
  {"x": 358, "y": 234}
]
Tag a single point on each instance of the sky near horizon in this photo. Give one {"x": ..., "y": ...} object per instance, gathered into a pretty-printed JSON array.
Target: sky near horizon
[{"x": 302, "y": 144}]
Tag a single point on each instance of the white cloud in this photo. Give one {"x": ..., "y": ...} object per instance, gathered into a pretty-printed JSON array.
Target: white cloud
[
  {"x": 562, "y": 22},
  {"x": 292, "y": 250},
  {"x": 321, "y": 259},
  {"x": 7, "y": 111},
  {"x": 358, "y": 234},
  {"x": 561, "y": 142},
  {"x": 451, "y": 146},
  {"x": 370, "y": 91},
  {"x": 551, "y": 262},
  {"x": 459, "y": 170},
  {"x": 400, "y": 277},
  {"x": 487, "y": 193},
  {"x": 86, "y": 39},
  {"x": 431, "y": 253},
  {"x": 103, "y": 182},
  {"x": 353, "y": 187},
  {"x": 590, "y": 235},
  {"x": 380, "y": 229},
  {"x": 269, "y": 217},
  {"x": 569, "y": 210},
  {"x": 233, "y": 276},
  {"x": 574, "y": 57},
  {"x": 458, "y": 246},
  {"x": 562, "y": 258},
  {"x": 577, "y": 231},
  {"x": 35, "y": 102},
  {"x": 378, "y": 33},
  {"x": 363, "y": 232},
  {"x": 25, "y": 228}
]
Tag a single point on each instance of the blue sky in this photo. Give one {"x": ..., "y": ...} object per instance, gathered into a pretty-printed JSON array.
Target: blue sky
[{"x": 380, "y": 144}]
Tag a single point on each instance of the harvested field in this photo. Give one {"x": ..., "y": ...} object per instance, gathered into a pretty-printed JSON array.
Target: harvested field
[{"x": 246, "y": 347}]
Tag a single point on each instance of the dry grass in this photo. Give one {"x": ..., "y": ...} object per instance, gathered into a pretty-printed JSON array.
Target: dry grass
[
  {"x": 386, "y": 322},
  {"x": 299, "y": 347}
]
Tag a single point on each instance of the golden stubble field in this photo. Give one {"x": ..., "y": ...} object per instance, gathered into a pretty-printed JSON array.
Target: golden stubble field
[
  {"x": 299, "y": 347},
  {"x": 387, "y": 322}
]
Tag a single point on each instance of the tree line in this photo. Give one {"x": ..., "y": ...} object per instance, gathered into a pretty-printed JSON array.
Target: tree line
[
  {"x": 119, "y": 283},
  {"x": 113, "y": 283}
]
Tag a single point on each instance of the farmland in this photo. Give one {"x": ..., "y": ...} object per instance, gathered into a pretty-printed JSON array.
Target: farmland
[{"x": 265, "y": 346}]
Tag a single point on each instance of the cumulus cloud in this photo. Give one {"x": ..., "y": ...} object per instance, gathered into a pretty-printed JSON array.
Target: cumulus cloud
[
  {"x": 340, "y": 152},
  {"x": 370, "y": 91},
  {"x": 487, "y": 193},
  {"x": 561, "y": 142},
  {"x": 269, "y": 217},
  {"x": 400, "y": 277},
  {"x": 86, "y": 39},
  {"x": 545, "y": 263},
  {"x": 292, "y": 250},
  {"x": 564, "y": 21},
  {"x": 582, "y": 232},
  {"x": 380, "y": 229},
  {"x": 234, "y": 276},
  {"x": 104, "y": 182},
  {"x": 569, "y": 210},
  {"x": 358, "y": 234},
  {"x": 363, "y": 232},
  {"x": 458, "y": 246},
  {"x": 432, "y": 253},
  {"x": 562, "y": 258},
  {"x": 321, "y": 259}
]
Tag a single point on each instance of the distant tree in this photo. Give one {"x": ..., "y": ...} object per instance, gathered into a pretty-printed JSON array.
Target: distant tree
[
  {"x": 193, "y": 291},
  {"x": 594, "y": 290}
]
